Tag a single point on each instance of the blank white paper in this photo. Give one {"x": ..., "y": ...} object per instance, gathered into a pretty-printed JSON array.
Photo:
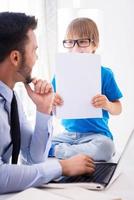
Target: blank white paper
[{"x": 78, "y": 80}]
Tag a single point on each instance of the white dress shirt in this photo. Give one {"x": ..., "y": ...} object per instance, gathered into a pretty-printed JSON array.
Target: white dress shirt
[{"x": 35, "y": 144}]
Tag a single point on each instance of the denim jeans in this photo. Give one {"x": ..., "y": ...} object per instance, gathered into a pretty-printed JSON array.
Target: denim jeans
[{"x": 68, "y": 144}]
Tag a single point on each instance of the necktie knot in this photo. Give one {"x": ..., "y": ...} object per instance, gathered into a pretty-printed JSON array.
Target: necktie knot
[{"x": 15, "y": 130}]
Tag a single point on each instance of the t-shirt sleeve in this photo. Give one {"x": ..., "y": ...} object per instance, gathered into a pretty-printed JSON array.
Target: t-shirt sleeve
[
  {"x": 109, "y": 85},
  {"x": 54, "y": 84}
]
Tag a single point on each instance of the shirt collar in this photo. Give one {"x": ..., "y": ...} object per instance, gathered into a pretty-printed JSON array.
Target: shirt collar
[{"x": 6, "y": 92}]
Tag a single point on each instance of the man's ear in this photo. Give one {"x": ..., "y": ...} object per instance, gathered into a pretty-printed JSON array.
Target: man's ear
[{"x": 15, "y": 57}]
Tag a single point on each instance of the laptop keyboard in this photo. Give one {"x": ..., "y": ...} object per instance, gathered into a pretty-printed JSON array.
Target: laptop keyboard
[{"x": 102, "y": 174}]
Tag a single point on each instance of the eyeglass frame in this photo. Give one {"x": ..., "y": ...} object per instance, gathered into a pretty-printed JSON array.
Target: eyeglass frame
[{"x": 76, "y": 41}]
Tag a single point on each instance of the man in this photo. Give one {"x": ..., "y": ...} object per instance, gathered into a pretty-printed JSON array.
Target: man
[{"x": 17, "y": 56}]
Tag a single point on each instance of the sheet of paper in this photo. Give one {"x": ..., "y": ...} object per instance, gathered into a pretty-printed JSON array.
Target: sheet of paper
[{"x": 78, "y": 80}]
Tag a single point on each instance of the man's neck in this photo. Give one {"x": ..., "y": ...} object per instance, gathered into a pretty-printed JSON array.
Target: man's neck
[{"x": 6, "y": 75}]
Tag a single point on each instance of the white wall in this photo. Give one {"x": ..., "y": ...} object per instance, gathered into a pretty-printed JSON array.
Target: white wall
[{"x": 117, "y": 51}]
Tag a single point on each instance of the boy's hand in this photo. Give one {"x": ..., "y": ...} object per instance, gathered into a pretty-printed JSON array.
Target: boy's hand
[
  {"x": 101, "y": 101},
  {"x": 57, "y": 100}
]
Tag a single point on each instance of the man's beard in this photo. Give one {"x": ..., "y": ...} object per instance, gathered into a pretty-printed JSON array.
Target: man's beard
[{"x": 25, "y": 71}]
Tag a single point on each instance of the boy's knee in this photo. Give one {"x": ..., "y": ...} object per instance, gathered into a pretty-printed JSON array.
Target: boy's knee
[{"x": 105, "y": 150}]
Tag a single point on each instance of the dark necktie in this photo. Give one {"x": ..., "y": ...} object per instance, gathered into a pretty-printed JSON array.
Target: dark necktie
[{"x": 15, "y": 130}]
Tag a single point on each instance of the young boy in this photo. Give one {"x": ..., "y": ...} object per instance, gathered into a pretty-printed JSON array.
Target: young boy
[{"x": 89, "y": 136}]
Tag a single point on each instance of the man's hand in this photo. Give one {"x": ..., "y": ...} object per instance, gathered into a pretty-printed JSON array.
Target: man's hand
[
  {"x": 42, "y": 95},
  {"x": 57, "y": 100},
  {"x": 77, "y": 165}
]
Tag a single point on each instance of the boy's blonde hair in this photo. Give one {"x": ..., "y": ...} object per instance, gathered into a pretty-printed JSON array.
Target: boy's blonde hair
[{"x": 83, "y": 28}]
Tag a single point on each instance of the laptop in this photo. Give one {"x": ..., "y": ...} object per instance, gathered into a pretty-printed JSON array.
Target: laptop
[{"x": 105, "y": 174}]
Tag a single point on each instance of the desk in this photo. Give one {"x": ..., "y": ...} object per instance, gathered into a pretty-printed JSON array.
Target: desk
[{"x": 121, "y": 189}]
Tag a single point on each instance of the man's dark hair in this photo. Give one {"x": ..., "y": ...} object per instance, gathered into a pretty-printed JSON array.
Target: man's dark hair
[{"x": 13, "y": 32}]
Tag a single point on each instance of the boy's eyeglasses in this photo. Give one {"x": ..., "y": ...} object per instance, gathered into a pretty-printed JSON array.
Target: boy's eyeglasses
[{"x": 80, "y": 43}]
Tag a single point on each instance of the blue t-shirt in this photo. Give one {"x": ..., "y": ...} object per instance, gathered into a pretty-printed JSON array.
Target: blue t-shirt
[{"x": 111, "y": 90}]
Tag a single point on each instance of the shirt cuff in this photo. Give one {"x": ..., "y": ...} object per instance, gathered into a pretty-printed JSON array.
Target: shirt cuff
[{"x": 52, "y": 169}]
